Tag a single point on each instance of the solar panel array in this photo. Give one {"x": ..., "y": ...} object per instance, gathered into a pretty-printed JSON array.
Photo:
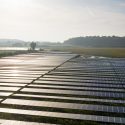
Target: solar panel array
[{"x": 61, "y": 88}]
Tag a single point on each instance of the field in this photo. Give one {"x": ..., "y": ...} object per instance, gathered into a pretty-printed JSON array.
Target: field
[
  {"x": 4, "y": 53},
  {"x": 106, "y": 52}
]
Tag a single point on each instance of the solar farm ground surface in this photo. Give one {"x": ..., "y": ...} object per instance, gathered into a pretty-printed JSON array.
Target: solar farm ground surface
[{"x": 61, "y": 88}]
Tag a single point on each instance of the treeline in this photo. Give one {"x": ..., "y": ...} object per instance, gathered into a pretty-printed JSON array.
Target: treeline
[
  {"x": 13, "y": 43},
  {"x": 20, "y": 43},
  {"x": 96, "y": 41}
]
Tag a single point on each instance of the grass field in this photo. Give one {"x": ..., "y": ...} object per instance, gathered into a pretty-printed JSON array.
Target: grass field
[
  {"x": 4, "y": 53},
  {"x": 106, "y": 52}
]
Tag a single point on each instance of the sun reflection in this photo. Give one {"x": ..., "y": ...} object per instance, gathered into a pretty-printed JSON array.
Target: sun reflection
[{"x": 15, "y": 72}]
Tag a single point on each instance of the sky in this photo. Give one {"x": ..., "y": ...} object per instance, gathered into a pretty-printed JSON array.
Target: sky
[{"x": 58, "y": 20}]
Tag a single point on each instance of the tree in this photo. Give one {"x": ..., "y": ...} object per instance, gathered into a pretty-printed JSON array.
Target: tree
[{"x": 32, "y": 45}]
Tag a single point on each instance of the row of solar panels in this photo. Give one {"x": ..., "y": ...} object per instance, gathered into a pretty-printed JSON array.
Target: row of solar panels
[
  {"x": 90, "y": 107},
  {"x": 76, "y": 88},
  {"x": 43, "y": 82},
  {"x": 38, "y": 96},
  {"x": 105, "y": 119}
]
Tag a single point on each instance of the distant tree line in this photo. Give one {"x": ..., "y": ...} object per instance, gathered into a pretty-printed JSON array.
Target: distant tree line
[{"x": 96, "y": 41}]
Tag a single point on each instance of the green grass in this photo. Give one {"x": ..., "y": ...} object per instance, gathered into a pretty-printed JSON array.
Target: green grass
[
  {"x": 4, "y": 53},
  {"x": 10, "y": 53},
  {"x": 106, "y": 52}
]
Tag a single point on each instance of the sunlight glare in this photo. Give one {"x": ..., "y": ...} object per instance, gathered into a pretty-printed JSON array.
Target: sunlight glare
[{"x": 14, "y": 72}]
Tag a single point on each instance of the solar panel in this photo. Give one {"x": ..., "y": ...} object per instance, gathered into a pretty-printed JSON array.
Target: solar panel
[
  {"x": 15, "y": 122},
  {"x": 100, "y": 94},
  {"x": 77, "y": 88},
  {"x": 16, "y": 80},
  {"x": 63, "y": 115},
  {"x": 5, "y": 93},
  {"x": 81, "y": 84},
  {"x": 12, "y": 84},
  {"x": 66, "y": 105},
  {"x": 71, "y": 98}
]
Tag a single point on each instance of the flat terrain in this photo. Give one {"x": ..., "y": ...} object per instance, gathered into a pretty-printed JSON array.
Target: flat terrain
[
  {"x": 61, "y": 88},
  {"x": 106, "y": 52},
  {"x": 4, "y": 53}
]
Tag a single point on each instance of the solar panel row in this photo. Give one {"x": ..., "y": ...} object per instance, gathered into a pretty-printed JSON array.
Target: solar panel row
[
  {"x": 105, "y": 119},
  {"x": 73, "y": 92},
  {"x": 102, "y": 108},
  {"x": 70, "y": 98}
]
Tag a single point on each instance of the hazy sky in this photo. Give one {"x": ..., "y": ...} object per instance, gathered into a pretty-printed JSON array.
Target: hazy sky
[{"x": 57, "y": 20}]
